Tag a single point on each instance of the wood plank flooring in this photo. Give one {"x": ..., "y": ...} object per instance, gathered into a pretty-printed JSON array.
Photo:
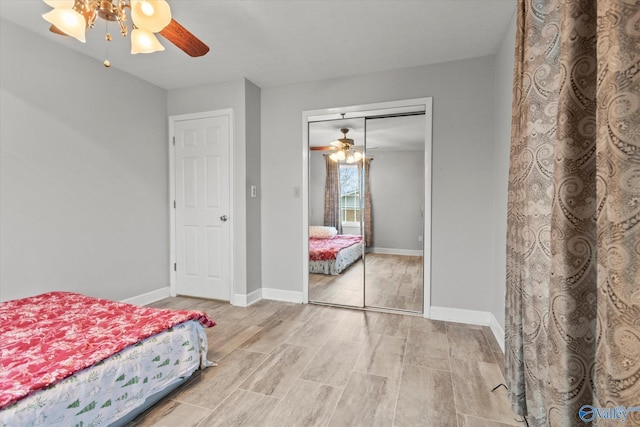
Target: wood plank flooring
[
  {"x": 392, "y": 281},
  {"x": 283, "y": 364}
]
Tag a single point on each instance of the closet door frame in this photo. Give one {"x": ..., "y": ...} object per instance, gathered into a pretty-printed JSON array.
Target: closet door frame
[{"x": 416, "y": 104}]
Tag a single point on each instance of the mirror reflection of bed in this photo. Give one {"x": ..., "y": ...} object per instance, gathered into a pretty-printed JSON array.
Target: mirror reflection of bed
[
  {"x": 389, "y": 271},
  {"x": 335, "y": 270}
]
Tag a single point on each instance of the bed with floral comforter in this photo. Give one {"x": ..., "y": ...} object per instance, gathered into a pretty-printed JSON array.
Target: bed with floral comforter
[
  {"x": 333, "y": 255},
  {"x": 70, "y": 359}
]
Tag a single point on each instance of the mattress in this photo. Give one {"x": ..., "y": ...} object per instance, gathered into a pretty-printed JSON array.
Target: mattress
[
  {"x": 333, "y": 256},
  {"x": 109, "y": 390},
  {"x": 38, "y": 387}
]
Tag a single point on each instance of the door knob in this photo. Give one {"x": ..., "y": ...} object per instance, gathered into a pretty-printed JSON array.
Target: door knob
[{"x": 223, "y": 218}]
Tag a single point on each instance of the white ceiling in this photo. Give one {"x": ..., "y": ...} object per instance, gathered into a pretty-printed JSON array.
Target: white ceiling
[
  {"x": 277, "y": 42},
  {"x": 399, "y": 133}
]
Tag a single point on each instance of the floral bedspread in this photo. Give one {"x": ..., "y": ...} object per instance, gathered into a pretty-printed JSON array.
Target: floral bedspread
[
  {"x": 326, "y": 249},
  {"x": 112, "y": 391},
  {"x": 46, "y": 338}
]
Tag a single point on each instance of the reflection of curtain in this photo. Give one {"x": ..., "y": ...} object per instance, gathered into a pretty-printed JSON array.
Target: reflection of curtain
[
  {"x": 332, "y": 195},
  {"x": 368, "y": 212},
  {"x": 573, "y": 239}
]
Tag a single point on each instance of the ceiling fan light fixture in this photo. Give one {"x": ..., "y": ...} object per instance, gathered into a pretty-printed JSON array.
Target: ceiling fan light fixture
[
  {"x": 143, "y": 41},
  {"x": 345, "y": 150},
  {"x": 69, "y": 21},
  {"x": 344, "y": 140},
  {"x": 150, "y": 15},
  {"x": 73, "y": 17}
]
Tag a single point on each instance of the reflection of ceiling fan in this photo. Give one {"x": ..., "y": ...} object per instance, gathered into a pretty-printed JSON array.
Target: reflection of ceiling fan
[
  {"x": 73, "y": 17},
  {"x": 343, "y": 149}
]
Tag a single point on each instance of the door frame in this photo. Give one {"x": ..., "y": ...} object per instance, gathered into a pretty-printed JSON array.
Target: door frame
[
  {"x": 172, "y": 193},
  {"x": 427, "y": 103}
]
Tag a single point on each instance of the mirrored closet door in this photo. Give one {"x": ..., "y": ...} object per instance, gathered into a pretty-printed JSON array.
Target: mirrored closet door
[
  {"x": 336, "y": 233},
  {"x": 366, "y": 209},
  {"x": 394, "y": 253}
]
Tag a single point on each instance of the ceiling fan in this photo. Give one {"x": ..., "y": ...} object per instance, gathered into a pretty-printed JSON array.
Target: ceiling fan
[
  {"x": 343, "y": 149},
  {"x": 150, "y": 17}
]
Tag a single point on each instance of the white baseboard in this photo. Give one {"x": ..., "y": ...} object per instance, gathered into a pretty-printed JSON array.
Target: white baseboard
[
  {"x": 473, "y": 317},
  {"x": 266, "y": 293},
  {"x": 394, "y": 251},
  {"x": 280, "y": 295},
  {"x": 246, "y": 300},
  {"x": 149, "y": 297},
  {"x": 461, "y": 315},
  {"x": 497, "y": 330}
]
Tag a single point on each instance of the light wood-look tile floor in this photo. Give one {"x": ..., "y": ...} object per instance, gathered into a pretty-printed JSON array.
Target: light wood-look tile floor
[
  {"x": 392, "y": 281},
  {"x": 283, "y": 364}
]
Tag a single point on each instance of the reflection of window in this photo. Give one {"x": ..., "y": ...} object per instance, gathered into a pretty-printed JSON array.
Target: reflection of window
[{"x": 349, "y": 195}]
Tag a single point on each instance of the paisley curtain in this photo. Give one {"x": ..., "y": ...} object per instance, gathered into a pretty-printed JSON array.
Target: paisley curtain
[
  {"x": 573, "y": 238},
  {"x": 332, "y": 195}
]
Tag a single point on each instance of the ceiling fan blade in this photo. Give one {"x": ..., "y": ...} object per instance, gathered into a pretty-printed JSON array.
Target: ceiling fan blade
[
  {"x": 183, "y": 39},
  {"x": 323, "y": 148}
]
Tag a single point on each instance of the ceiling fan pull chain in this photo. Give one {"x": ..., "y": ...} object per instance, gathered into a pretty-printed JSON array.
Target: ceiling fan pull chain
[{"x": 107, "y": 37}]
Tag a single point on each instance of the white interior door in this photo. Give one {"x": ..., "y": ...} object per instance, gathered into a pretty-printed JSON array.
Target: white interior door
[{"x": 202, "y": 222}]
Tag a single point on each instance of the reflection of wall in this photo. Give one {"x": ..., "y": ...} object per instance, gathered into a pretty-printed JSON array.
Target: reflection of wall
[
  {"x": 317, "y": 178},
  {"x": 397, "y": 189},
  {"x": 351, "y": 230}
]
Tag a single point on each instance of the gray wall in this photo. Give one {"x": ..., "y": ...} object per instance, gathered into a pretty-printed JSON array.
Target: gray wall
[
  {"x": 397, "y": 189},
  {"x": 254, "y": 232},
  {"x": 462, "y": 171},
  {"x": 83, "y": 205},
  {"x": 83, "y": 174},
  {"x": 503, "y": 97}
]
